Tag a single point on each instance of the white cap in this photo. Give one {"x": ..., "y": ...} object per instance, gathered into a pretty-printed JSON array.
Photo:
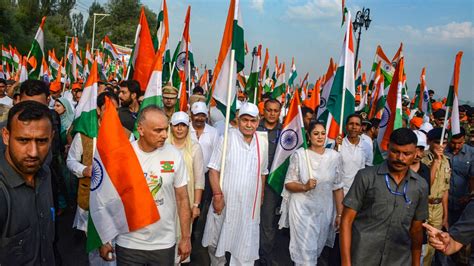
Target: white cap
[
  {"x": 248, "y": 109},
  {"x": 426, "y": 127},
  {"x": 238, "y": 104},
  {"x": 179, "y": 117},
  {"x": 421, "y": 138},
  {"x": 199, "y": 108}
]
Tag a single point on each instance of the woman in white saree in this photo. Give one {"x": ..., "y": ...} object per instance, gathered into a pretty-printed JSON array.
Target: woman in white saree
[{"x": 312, "y": 204}]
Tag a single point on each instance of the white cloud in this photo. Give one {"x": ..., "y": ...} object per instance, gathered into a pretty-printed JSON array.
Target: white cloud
[
  {"x": 447, "y": 32},
  {"x": 257, "y": 5},
  {"x": 453, "y": 30},
  {"x": 314, "y": 9}
]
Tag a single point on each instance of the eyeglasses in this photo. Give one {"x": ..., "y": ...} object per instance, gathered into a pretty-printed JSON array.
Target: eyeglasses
[{"x": 396, "y": 193}]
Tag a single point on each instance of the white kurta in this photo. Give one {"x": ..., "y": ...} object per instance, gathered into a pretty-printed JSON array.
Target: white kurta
[
  {"x": 311, "y": 214},
  {"x": 236, "y": 230}
]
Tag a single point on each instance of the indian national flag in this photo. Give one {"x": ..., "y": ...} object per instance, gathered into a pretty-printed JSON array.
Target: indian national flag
[
  {"x": 36, "y": 53},
  {"x": 280, "y": 85},
  {"x": 143, "y": 53},
  {"x": 22, "y": 73},
  {"x": 326, "y": 85},
  {"x": 378, "y": 98},
  {"x": 252, "y": 82},
  {"x": 161, "y": 39},
  {"x": 422, "y": 99},
  {"x": 183, "y": 58},
  {"x": 315, "y": 99},
  {"x": 120, "y": 200},
  {"x": 109, "y": 48},
  {"x": 16, "y": 58},
  {"x": 453, "y": 96},
  {"x": 341, "y": 102},
  {"x": 85, "y": 117},
  {"x": 45, "y": 74},
  {"x": 264, "y": 87},
  {"x": 54, "y": 63},
  {"x": 6, "y": 56},
  {"x": 293, "y": 73},
  {"x": 386, "y": 68},
  {"x": 392, "y": 114},
  {"x": 71, "y": 62},
  {"x": 291, "y": 138},
  {"x": 233, "y": 39},
  {"x": 204, "y": 80}
]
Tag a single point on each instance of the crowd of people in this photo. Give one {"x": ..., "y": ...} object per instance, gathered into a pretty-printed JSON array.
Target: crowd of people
[{"x": 337, "y": 207}]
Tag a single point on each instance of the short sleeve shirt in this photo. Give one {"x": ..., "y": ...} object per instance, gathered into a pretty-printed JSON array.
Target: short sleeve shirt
[
  {"x": 380, "y": 232},
  {"x": 164, "y": 171},
  {"x": 442, "y": 176},
  {"x": 462, "y": 170}
]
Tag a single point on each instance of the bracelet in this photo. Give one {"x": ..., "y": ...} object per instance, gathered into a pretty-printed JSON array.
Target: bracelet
[
  {"x": 339, "y": 215},
  {"x": 217, "y": 194},
  {"x": 196, "y": 205}
]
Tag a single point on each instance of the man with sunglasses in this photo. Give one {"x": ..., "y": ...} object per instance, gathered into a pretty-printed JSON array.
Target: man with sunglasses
[
  {"x": 385, "y": 208},
  {"x": 440, "y": 174}
]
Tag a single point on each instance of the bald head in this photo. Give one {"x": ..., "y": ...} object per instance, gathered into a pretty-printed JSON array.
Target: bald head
[{"x": 150, "y": 110}]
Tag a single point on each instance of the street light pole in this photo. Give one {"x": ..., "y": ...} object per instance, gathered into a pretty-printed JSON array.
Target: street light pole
[
  {"x": 93, "y": 27},
  {"x": 362, "y": 19}
]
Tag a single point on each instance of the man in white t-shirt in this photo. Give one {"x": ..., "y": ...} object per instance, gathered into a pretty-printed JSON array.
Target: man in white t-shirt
[
  {"x": 4, "y": 99},
  {"x": 166, "y": 176}
]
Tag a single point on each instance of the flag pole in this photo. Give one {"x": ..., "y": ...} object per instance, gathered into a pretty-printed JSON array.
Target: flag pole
[
  {"x": 227, "y": 117},
  {"x": 445, "y": 124},
  {"x": 172, "y": 72}
]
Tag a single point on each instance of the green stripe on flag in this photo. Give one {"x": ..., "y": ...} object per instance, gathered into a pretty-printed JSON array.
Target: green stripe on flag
[
  {"x": 93, "y": 239},
  {"x": 276, "y": 179}
]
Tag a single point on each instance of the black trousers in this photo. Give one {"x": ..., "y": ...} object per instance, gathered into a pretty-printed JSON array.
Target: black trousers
[{"x": 129, "y": 257}]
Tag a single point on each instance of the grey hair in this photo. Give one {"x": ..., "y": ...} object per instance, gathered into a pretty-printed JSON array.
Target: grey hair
[{"x": 151, "y": 108}]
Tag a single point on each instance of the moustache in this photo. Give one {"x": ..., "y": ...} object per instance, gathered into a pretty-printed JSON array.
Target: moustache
[{"x": 399, "y": 163}]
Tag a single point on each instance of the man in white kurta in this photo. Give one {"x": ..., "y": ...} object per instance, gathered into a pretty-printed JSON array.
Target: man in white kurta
[{"x": 234, "y": 216}]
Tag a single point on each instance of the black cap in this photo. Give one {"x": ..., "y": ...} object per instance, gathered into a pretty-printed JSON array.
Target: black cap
[
  {"x": 435, "y": 134},
  {"x": 439, "y": 114}
]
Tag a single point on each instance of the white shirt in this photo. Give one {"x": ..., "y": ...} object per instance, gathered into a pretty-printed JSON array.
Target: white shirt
[
  {"x": 208, "y": 140},
  {"x": 6, "y": 101},
  {"x": 368, "y": 146},
  {"x": 164, "y": 171},
  {"x": 353, "y": 159},
  {"x": 237, "y": 229},
  {"x": 74, "y": 156}
]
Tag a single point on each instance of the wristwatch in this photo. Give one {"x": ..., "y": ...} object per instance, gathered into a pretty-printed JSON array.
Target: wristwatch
[{"x": 197, "y": 205}]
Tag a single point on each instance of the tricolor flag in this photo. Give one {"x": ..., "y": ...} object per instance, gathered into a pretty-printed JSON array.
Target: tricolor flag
[
  {"x": 143, "y": 53},
  {"x": 252, "y": 81},
  {"x": 109, "y": 48},
  {"x": 364, "y": 89},
  {"x": 71, "y": 61},
  {"x": 264, "y": 87},
  {"x": 54, "y": 63},
  {"x": 45, "y": 74},
  {"x": 293, "y": 73},
  {"x": 422, "y": 99},
  {"x": 280, "y": 85},
  {"x": 392, "y": 115},
  {"x": 326, "y": 89},
  {"x": 161, "y": 39},
  {"x": 183, "y": 58},
  {"x": 204, "y": 81},
  {"x": 6, "y": 56},
  {"x": 315, "y": 99},
  {"x": 453, "y": 96},
  {"x": 36, "y": 54},
  {"x": 386, "y": 68},
  {"x": 341, "y": 102},
  {"x": 120, "y": 200},
  {"x": 291, "y": 138},
  {"x": 22, "y": 73},
  {"x": 85, "y": 117},
  {"x": 16, "y": 58},
  {"x": 233, "y": 39},
  {"x": 377, "y": 102}
]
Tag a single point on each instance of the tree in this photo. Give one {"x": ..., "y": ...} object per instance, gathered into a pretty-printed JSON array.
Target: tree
[{"x": 78, "y": 24}]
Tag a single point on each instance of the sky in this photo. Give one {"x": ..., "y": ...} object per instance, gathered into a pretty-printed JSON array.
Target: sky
[{"x": 432, "y": 32}]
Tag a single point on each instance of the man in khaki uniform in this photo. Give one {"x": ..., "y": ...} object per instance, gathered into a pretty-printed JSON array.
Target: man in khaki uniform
[
  {"x": 440, "y": 173},
  {"x": 170, "y": 95}
]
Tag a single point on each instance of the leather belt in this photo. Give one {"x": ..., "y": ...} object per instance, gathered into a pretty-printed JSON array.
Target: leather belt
[{"x": 435, "y": 201}]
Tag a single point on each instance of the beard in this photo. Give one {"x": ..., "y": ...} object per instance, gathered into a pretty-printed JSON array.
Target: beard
[
  {"x": 26, "y": 165},
  {"x": 126, "y": 103}
]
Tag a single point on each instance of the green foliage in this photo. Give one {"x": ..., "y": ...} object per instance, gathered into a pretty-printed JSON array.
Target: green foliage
[{"x": 20, "y": 19}]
